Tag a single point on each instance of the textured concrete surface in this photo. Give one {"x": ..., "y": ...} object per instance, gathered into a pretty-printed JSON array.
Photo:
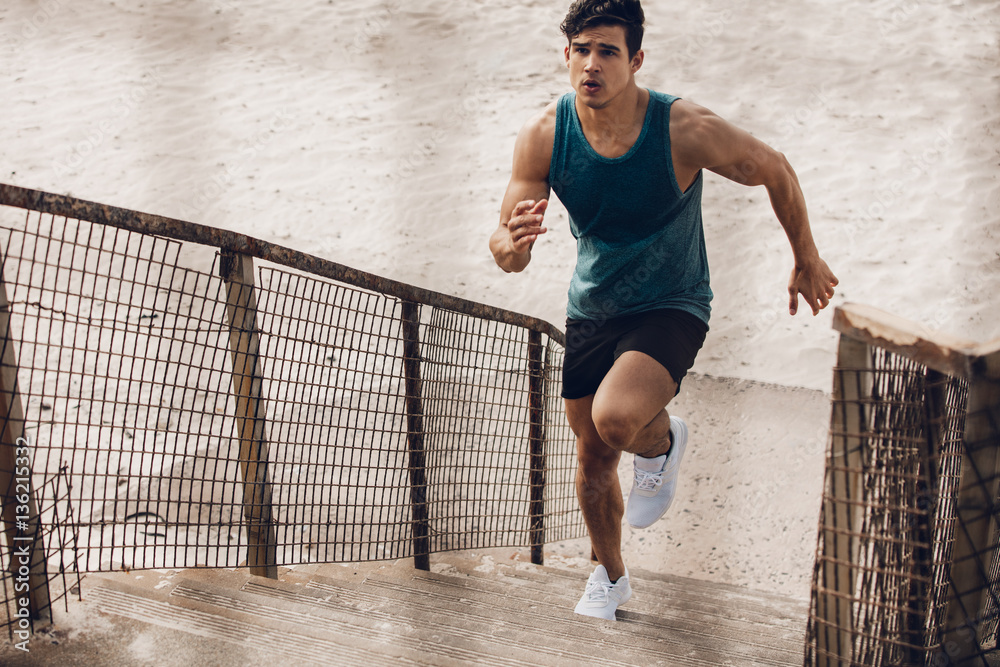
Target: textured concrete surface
[{"x": 489, "y": 608}]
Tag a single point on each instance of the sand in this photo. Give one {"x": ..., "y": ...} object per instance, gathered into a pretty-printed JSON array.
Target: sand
[{"x": 379, "y": 135}]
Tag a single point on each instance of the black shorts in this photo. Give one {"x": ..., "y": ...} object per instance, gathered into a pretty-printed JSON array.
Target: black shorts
[{"x": 671, "y": 337}]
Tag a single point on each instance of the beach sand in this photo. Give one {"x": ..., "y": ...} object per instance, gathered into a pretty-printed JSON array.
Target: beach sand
[{"x": 379, "y": 135}]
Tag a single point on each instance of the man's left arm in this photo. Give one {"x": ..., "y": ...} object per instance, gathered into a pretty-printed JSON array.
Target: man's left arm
[{"x": 702, "y": 140}]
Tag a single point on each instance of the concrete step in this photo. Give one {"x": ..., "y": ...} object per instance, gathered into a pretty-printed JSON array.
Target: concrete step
[
  {"x": 658, "y": 592},
  {"x": 681, "y": 619},
  {"x": 485, "y": 610}
]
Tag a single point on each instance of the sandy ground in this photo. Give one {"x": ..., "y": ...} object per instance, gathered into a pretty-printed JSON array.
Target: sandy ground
[{"x": 379, "y": 135}]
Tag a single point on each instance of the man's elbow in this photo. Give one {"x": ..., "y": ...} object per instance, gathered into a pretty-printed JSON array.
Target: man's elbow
[
  {"x": 497, "y": 253},
  {"x": 777, "y": 174},
  {"x": 499, "y": 257},
  {"x": 510, "y": 262}
]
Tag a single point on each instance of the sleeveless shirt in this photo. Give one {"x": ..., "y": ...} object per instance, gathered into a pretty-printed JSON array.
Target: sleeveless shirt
[{"x": 640, "y": 240}]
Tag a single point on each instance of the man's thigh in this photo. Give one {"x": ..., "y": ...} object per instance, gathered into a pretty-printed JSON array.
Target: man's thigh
[
  {"x": 636, "y": 389},
  {"x": 670, "y": 337}
]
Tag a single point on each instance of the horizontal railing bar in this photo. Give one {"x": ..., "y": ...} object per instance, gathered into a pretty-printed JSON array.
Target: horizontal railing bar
[
  {"x": 147, "y": 223},
  {"x": 940, "y": 351}
]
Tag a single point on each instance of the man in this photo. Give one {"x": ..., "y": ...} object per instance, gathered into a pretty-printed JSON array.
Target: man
[{"x": 626, "y": 162}]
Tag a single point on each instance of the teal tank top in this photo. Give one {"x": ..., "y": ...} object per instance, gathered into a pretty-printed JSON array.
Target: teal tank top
[{"x": 640, "y": 240}]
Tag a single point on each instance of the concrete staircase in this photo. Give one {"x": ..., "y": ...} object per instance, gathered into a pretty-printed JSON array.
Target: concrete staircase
[{"x": 486, "y": 609}]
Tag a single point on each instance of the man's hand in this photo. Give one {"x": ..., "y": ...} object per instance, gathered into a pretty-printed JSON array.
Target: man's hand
[
  {"x": 525, "y": 224},
  {"x": 815, "y": 282},
  {"x": 511, "y": 242}
]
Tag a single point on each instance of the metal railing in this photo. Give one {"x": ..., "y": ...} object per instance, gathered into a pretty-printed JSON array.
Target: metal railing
[
  {"x": 906, "y": 563},
  {"x": 175, "y": 395}
]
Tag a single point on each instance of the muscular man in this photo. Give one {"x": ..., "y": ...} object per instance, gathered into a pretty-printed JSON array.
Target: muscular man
[{"x": 627, "y": 163}]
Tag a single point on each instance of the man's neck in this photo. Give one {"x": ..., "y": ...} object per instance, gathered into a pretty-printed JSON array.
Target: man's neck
[
  {"x": 618, "y": 123},
  {"x": 620, "y": 112}
]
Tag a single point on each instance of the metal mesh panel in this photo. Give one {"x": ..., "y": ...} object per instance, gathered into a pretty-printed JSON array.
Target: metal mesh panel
[
  {"x": 124, "y": 375},
  {"x": 125, "y": 369},
  {"x": 477, "y": 424},
  {"x": 889, "y": 563},
  {"x": 59, "y": 538},
  {"x": 478, "y": 458},
  {"x": 335, "y": 419},
  {"x": 563, "y": 520}
]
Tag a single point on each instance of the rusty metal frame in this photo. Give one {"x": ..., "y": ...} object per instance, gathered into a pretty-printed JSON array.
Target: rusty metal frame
[
  {"x": 256, "y": 495},
  {"x": 908, "y": 560},
  {"x": 234, "y": 242}
]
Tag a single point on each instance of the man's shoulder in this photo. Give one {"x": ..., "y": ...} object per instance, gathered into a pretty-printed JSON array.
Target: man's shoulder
[
  {"x": 539, "y": 132},
  {"x": 688, "y": 117},
  {"x": 535, "y": 141},
  {"x": 542, "y": 125}
]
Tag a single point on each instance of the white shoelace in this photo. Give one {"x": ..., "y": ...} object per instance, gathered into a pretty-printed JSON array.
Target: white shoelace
[
  {"x": 598, "y": 591},
  {"x": 647, "y": 481}
]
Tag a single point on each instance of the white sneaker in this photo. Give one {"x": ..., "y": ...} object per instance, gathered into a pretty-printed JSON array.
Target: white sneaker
[
  {"x": 602, "y": 597},
  {"x": 654, "y": 486}
]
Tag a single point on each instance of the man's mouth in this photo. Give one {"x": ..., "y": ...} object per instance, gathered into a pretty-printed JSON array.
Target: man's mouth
[{"x": 591, "y": 86}]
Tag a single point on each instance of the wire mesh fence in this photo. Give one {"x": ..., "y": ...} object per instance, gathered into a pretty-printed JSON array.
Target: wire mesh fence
[
  {"x": 896, "y": 526},
  {"x": 204, "y": 417},
  {"x": 58, "y": 537}
]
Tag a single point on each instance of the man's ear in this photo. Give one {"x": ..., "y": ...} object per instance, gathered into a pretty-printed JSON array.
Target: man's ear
[
  {"x": 637, "y": 60},
  {"x": 566, "y": 53}
]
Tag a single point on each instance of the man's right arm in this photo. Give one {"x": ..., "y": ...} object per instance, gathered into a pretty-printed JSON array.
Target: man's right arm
[{"x": 523, "y": 209}]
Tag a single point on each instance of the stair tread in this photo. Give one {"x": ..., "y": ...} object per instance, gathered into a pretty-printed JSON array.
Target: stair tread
[
  {"x": 469, "y": 610},
  {"x": 654, "y": 594}
]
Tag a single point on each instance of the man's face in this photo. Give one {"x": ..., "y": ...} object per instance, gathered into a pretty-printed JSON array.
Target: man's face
[{"x": 599, "y": 66}]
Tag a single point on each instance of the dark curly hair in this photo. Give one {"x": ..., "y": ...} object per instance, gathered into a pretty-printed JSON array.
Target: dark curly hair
[{"x": 584, "y": 14}]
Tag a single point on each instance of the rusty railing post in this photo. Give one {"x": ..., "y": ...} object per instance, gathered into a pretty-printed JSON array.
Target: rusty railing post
[
  {"x": 415, "y": 434},
  {"x": 836, "y": 588},
  {"x": 244, "y": 346},
  {"x": 536, "y": 444},
  {"x": 22, "y": 524},
  {"x": 975, "y": 545}
]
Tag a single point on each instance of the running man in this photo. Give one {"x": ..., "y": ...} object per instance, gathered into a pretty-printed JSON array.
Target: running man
[{"x": 627, "y": 163}]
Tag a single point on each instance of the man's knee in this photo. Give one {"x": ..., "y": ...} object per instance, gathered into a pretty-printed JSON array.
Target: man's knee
[{"x": 616, "y": 428}]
